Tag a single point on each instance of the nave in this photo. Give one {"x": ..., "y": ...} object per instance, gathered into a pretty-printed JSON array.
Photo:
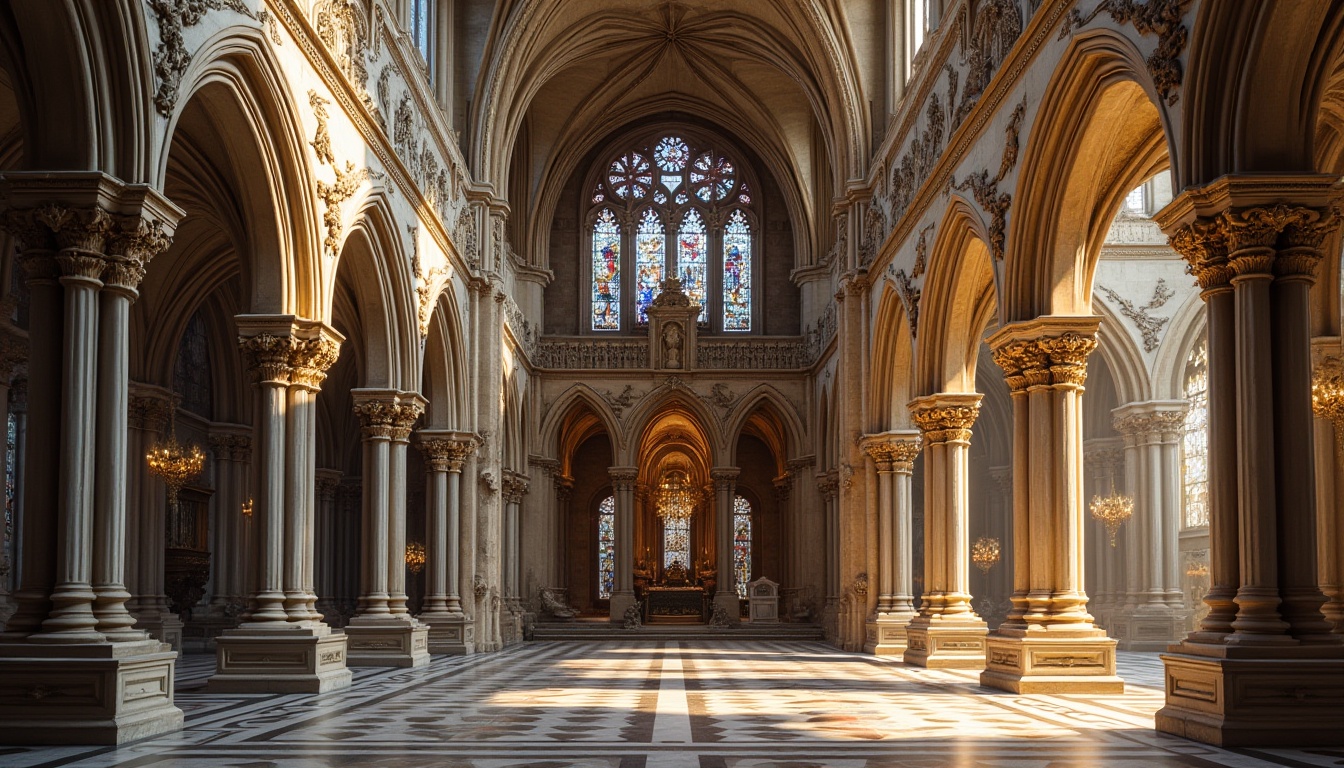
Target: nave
[{"x": 637, "y": 704}]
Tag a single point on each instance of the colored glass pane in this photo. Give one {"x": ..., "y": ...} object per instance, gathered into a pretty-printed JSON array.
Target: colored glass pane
[
  {"x": 606, "y": 547},
  {"x": 741, "y": 545},
  {"x": 737, "y": 273},
  {"x": 671, "y": 154},
  {"x": 606, "y": 273},
  {"x": 650, "y": 261},
  {"x": 677, "y": 543},
  {"x": 692, "y": 252},
  {"x": 711, "y": 177},
  {"x": 630, "y": 176},
  {"x": 744, "y": 195},
  {"x": 191, "y": 370},
  {"x": 671, "y": 183},
  {"x": 1195, "y": 442}
]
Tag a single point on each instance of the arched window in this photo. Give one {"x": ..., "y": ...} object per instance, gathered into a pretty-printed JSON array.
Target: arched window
[
  {"x": 688, "y": 212},
  {"x": 677, "y": 542},
  {"x": 191, "y": 370},
  {"x": 606, "y": 547},
  {"x": 741, "y": 544},
  {"x": 1195, "y": 443}
]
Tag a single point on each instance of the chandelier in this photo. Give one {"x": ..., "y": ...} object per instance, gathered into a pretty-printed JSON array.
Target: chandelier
[
  {"x": 1327, "y": 391},
  {"x": 247, "y": 509},
  {"x": 1112, "y": 510},
  {"x": 173, "y": 462},
  {"x": 415, "y": 557},
  {"x": 985, "y": 553},
  {"x": 675, "y": 498}
]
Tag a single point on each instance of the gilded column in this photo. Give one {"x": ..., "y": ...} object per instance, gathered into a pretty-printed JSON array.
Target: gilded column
[
  {"x": 1049, "y": 642},
  {"x": 894, "y": 454},
  {"x": 947, "y": 633}
]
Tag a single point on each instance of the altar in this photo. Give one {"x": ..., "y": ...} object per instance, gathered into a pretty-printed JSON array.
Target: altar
[{"x": 676, "y": 605}]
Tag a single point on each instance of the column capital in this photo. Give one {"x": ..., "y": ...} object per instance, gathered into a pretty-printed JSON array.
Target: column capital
[
  {"x": 1048, "y": 351},
  {"x": 724, "y": 477},
  {"x": 377, "y": 412},
  {"x": 564, "y": 487},
  {"x": 408, "y": 410},
  {"x": 149, "y": 407},
  {"x": 328, "y": 483},
  {"x": 446, "y": 450},
  {"x": 516, "y": 486},
  {"x": 623, "y": 478},
  {"x": 1103, "y": 453},
  {"x": 946, "y": 417},
  {"x": 896, "y": 449},
  {"x": 1156, "y": 420}
]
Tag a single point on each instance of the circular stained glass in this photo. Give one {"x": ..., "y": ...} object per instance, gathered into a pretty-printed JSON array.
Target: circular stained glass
[
  {"x": 659, "y": 197},
  {"x": 671, "y": 154},
  {"x": 711, "y": 177},
  {"x": 630, "y": 176}
]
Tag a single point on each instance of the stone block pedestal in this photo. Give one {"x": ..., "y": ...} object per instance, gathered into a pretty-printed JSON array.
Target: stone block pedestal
[
  {"x": 1037, "y": 662},
  {"x": 283, "y": 660},
  {"x": 99, "y": 693},
  {"x": 387, "y": 642},
  {"x": 1148, "y": 629},
  {"x": 452, "y": 634},
  {"x": 946, "y": 644},
  {"x": 1232, "y": 697},
  {"x": 163, "y": 626},
  {"x": 619, "y": 602},
  {"x": 886, "y": 634}
]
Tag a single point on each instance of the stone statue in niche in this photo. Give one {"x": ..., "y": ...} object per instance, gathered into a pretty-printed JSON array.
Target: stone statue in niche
[{"x": 672, "y": 346}]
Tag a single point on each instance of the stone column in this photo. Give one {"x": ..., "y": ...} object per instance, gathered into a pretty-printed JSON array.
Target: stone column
[
  {"x": 85, "y": 239},
  {"x": 379, "y": 634},
  {"x": 149, "y": 409},
  {"x": 1152, "y": 433},
  {"x": 282, "y": 645},
  {"x": 894, "y": 454},
  {"x": 445, "y": 452},
  {"x": 828, "y": 485},
  {"x": 623, "y": 592},
  {"x": 328, "y": 483},
  {"x": 1049, "y": 642},
  {"x": 725, "y": 595},
  {"x": 564, "y": 493},
  {"x": 410, "y": 407},
  {"x": 1254, "y": 244},
  {"x": 947, "y": 633},
  {"x": 240, "y": 575}
]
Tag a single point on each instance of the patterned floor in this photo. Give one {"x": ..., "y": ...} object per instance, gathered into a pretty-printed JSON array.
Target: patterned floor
[{"x": 668, "y": 705}]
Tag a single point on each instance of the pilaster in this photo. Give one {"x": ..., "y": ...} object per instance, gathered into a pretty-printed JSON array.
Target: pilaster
[{"x": 893, "y": 453}]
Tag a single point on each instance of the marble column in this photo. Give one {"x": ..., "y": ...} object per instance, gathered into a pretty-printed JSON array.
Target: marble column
[
  {"x": 894, "y": 454},
  {"x": 1254, "y": 244},
  {"x": 380, "y": 634},
  {"x": 947, "y": 633},
  {"x": 326, "y": 556},
  {"x": 623, "y": 593},
  {"x": 85, "y": 240},
  {"x": 515, "y": 490},
  {"x": 727, "y": 605},
  {"x": 282, "y": 645},
  {"x": 1049, "y": 642},
  {"x": 445, "y": 452},
  {"x": 1155, "y": 615},
  {"x": 228, "y": 547}
]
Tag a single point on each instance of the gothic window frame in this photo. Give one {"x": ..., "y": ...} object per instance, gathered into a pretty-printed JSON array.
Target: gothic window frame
[
  {"x": 422, "y": 31},
  {"x": 608, "y": 494},
  {"x": 753, "y": 527},
  {"x": 600, "y": 194},
  {"x": 1196, "y": 421}
]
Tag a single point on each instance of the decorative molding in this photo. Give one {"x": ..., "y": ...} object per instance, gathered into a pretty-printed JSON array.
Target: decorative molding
[
  {"x": 1148, "y": 325},
  {"x": 332, "y": 196},
  {"x": 171, "y": 59},
  {"x": 986, "y": 190}
]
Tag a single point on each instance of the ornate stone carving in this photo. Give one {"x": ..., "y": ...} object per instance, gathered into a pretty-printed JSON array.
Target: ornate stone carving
[
  {"x": 310, "y": 359},
  {"x": 171, "y": 59},
  {"x": 404, "y": 416},
  {"x": 619, "y": 403},
  {"x": 268, "y": 356},
  {"x": 377, "y": 418},
  {"x": 1048, "y": 361},
  {"x": 946, "y": 422},
  {"x": 985, "y": 190},
  {"x": 571, "y": 354},
  {"x": 742, "y": 354},
  {"x": 446, "y": 454},
  {"x": 322, "y": 139},
  {"x": 623, "y": 478},
  {"x": 893, "y": 453},
  {"x": 148, "y": 412},
  {"x": 997, "y": 25},
  {"x": 1164, "y": 422},
  {"x": 672, "y": 340},
  {"x": 340, "y": 25},
  {"x": 1162, "y": 17},
  {"x": 332, "y": 196},
  {"x": 1149, "y": 326}
]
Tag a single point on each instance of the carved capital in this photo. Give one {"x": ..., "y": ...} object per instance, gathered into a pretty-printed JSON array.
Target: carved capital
[
  {"x": 149, "y": 412},
  {"x": 1163, "y": 422},
  {"x": 893, "y": 452},
  {"x": 328, "y": 483},
  {"x": 377, "y": 418},
  {"x": 1202, "y": 245},
  {"x": 1049, "y": 351},
  {"x": 310, "y": 359},
  {"x": 267, "y": 356},
  {"x": 946, "y": 418},
  {"x": 623, "y": 478},
  {"x": 724, "y": 478},
  {"x": 406, "y": 413}
]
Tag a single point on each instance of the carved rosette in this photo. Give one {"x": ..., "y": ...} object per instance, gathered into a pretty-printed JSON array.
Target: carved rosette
[
  {"x": 377, "y": 418},
  {"x": 310, "y": 359},
  {"x": 946, "y": 423}
]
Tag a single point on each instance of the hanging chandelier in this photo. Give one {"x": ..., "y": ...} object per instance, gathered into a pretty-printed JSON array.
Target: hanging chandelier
[
  {"x": 1327, "y": 391},
  {"x": 675, "y": 499},
  {"x": 1112, "y": 510},
  {"x": 415, "y": 557},
  {"x": 173, "y": 462},
  {"x": 985, "y": 553}
]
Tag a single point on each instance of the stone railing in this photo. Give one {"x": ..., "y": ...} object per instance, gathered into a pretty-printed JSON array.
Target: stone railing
[
  {"x": 778, "y": 353},
  {"x": 753, "y": 354},
  {"x": 593, "y": 353}
]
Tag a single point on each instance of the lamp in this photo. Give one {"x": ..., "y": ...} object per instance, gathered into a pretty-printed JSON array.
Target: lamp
[
  {"x": 247, "y": 509},
  {"x": 675, "y": 498},
  {"x": 1327, "y": 391},
  {"x": 1112, "y": 510},
  {"x": 985, "y": 553},
  {"x": 415, "y": 557},
  {"x": 173, "y": 462}
]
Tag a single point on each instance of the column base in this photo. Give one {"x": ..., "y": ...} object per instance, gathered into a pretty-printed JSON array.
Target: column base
[
  {"x": 95, "y": 694},
  {"x": 886, "y": 634},
  {"x": 939, "y": 643},
  {"x": 284, "y": 659},
  {"x": 1039, "y": 662},
  {"x": 620, "y": 601},
  {"x": 1147, "y": 628},
  {"x": 387, "y": 642},
  {"x": 449, "y": 634},
  {"x": 163, "y": 626},
  {"x": 1254, "y": 697}
]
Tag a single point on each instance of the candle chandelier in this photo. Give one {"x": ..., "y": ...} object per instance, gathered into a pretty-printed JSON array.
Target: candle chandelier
[
  {"x": 985, "y": 553},
  {"x": 415, "y": 557},
  {"x": 1112, "y": 510},
  {"x": 675, "y": 499},
  {"x": 173, "y": 462}
]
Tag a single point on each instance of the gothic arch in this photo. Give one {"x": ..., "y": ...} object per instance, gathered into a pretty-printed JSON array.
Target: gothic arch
[
  {"x": 958, "y": 301},
  {"x": 1099, "y": 133},
  {"x": 781, "y": 429},
  {"x": 561, "y": 432},
  {"x": 444, "y": 370},
  {"x": 893, "y": 365},
  {"x": 665, "y": 398},
  {"x": 1187, "y": 329}
]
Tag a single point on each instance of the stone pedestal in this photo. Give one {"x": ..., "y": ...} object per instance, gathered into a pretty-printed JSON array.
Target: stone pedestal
[
  {"x": 1038, "y": 663},
  {"x": 163, "y": 626},
  {"x": 387, "y": 642},
  {"x": 97, "y": 693},
  {"x": 451, "y": 635},
  {"x": 1233, "y": 697},
  {"x": 887, "y": 634},
  {"x": 1147, "y": 628},
  {"x": 946, "y": 644},
  {"x": 283, "y": 659}
]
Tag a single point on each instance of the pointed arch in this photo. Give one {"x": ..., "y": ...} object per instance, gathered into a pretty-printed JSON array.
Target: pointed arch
[
  {"x": 576, "y": 415},
  {"x": 670, "y": 397},
  {"x": 893, "y": 364},
  {"x": 444, "y": 366},
  {"x": 959, "y": 301},
  {"x": 766, "y": 413},
  {"x": 1123, "y": 358}
]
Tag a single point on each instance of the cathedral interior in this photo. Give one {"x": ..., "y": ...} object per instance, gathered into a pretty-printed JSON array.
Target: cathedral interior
[{"x": 755, "y": 384}]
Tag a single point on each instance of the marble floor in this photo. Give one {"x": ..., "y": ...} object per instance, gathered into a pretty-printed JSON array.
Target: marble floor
[{"x": 698, "y": 704}]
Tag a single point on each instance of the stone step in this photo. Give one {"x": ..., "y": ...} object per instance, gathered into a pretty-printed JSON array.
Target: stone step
[{"x": 594, "y": 631}]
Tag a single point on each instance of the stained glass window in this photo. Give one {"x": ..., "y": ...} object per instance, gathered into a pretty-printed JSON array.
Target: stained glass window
[
  {"x": 606, "y": 272},
  {"x": 741, "y": 545},
  {"x": 650, "y": 260},
  {"x": 712, "y": 177},
  {"x": 191, "y": 370},
  {"x": 677, "y": 542},
  {"x": 737, "y": 273},
  {"x": 671, "y": 154},
  {"x": 692, "y": 249},
  {"x": 1195, "y": 444},
  {"x": 606, "y": 547},
  {"x": 630, "y": 176}
]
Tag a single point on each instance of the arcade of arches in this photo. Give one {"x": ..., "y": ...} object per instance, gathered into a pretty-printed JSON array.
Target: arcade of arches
[{"x": 994, "y": 339}]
